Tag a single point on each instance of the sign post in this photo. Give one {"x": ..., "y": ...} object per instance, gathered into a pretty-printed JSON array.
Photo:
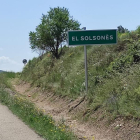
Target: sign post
[
  {"x": 86, "y": 73},
  {"x": 90, "y": 37}
]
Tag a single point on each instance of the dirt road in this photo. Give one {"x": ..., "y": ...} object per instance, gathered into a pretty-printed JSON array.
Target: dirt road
[{"x": 11, "y": 128}]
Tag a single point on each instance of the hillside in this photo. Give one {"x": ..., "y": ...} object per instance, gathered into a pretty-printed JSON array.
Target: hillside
[
  {"x": 1, "y": 71},
  {"x": 113, "y": 76}
]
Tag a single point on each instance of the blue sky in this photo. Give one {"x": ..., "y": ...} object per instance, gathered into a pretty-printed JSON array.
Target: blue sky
[{"x": 19, "y": 17}]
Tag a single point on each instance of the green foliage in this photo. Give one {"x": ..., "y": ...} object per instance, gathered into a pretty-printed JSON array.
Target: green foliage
[
  {"x": 52, "y": 31},
  {"x": 138, "y": 30},
  {"x": 10, "y": 74},
  {"x": 4, "y": 77},
  {"x": 131, "y": 56},
  {"x": 124, "y": 36},
  {"x": 122, "y": 29}
]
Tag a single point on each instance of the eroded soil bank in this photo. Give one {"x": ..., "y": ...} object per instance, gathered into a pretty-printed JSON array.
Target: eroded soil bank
[{"x": 71, "y": 112}]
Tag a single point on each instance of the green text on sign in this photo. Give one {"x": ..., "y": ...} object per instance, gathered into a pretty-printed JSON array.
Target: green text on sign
[{"x": 89, "y": 37}]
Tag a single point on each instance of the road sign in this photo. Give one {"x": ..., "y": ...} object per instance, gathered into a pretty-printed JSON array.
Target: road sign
[{"x": 90, "y": 37}]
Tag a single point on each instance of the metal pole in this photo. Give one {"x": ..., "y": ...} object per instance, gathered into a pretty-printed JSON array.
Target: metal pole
[
  {"x": 86, "y": 75},
  {"x": 86, "y": 72}
]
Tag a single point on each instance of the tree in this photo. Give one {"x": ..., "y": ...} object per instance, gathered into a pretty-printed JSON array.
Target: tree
[
  {"x": 138, "y": 29},
  {"x": 122, "y": 29},
  {"x": 52, "y": 31}
]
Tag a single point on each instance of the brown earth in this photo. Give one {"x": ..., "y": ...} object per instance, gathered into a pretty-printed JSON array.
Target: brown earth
[{"x": 67, "y": 111}]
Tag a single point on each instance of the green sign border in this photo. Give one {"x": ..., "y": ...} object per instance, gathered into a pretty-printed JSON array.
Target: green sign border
[{"x": 93, "y": 31}]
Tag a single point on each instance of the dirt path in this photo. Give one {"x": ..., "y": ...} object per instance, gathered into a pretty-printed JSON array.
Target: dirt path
[
  {"x": 11, "y": 128},
  {"x": 59, "y": 108}
]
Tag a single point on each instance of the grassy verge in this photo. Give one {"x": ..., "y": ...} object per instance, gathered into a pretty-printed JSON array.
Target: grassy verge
[
  {"x": 44, "y": 125},
  {"x": 4, "y": 79}
]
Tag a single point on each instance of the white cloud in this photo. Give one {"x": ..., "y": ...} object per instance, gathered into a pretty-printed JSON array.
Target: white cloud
[
  {"x": 4, "y": 59},
  {"x": 8, "y": 64}
]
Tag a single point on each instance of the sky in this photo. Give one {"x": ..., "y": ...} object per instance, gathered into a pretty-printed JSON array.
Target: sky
[{"x": 19, "y": 17}]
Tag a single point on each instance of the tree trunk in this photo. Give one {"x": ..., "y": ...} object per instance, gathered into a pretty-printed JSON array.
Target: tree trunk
[{"x": 56, "y": 51}]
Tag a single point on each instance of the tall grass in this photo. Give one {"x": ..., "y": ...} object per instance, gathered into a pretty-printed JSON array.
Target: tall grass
[
  {"x": 113, "y": 75},
  {"x": 66, "y": 76},
  {"x": 4, "y": 79}
]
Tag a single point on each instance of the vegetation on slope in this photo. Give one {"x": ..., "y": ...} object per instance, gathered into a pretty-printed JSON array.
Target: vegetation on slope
[
  {"x": 113, "y": 72},
  {"x": 4, "y": 79}
]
